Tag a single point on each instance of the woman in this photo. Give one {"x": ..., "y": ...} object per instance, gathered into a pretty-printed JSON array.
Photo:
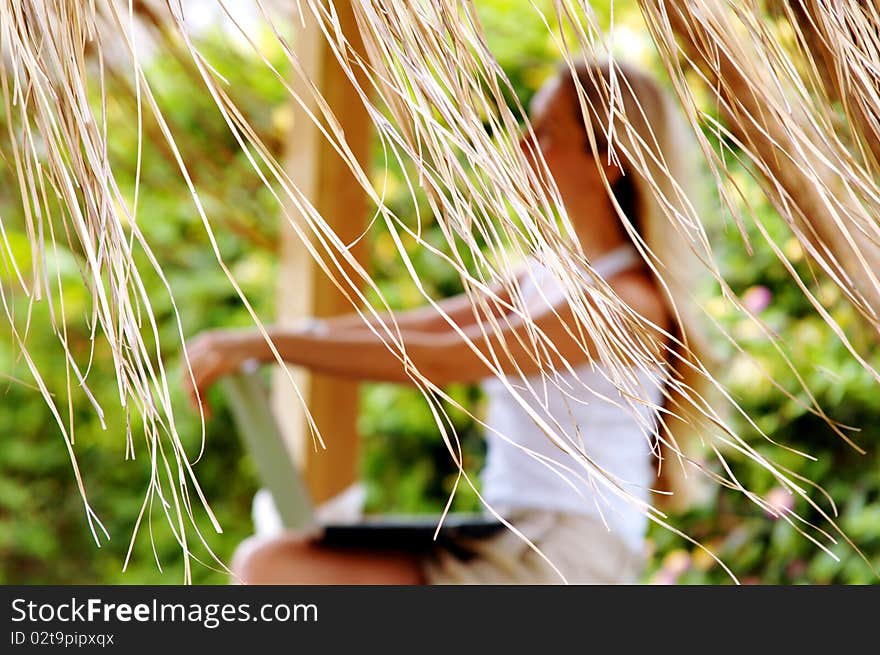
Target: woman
[{"x": 588, "y": 533}]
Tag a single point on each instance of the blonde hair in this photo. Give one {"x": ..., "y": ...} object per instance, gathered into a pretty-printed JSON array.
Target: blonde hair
[{"x": 631, "y": 119}]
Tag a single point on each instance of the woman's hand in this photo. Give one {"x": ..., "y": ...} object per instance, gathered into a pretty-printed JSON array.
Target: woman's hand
[{"x": 213, "y": 354}]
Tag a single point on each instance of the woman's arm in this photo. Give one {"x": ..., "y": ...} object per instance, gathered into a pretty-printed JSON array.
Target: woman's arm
[
  {"x": 443, "y": 357},
  {"x": 459, "y": 309},
  {"x": 471, "y": 354}
]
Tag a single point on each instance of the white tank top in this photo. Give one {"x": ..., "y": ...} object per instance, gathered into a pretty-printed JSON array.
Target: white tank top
[{"x": 614, "y": 433}]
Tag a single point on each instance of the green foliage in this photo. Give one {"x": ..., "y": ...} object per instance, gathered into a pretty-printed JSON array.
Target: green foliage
[
  {"x": 758, "y": 547},
  {"x": 44, "y": 535}
]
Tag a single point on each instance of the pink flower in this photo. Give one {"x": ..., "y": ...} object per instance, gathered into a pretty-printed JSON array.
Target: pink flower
[
  {"x": 780, "y": 501},
  {"x": 756, "y": 299},
  {"x": 796, "y": 569},
  {"x": 674, "y": 564},
  {"x": 664, "y": 578}
]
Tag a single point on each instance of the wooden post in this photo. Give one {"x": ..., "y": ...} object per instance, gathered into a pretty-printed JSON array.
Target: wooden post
[{"x": 303, "y": 289}]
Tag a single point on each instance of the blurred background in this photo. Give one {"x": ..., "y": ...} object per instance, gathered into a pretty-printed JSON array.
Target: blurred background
[{"x": 44, "y": 536}]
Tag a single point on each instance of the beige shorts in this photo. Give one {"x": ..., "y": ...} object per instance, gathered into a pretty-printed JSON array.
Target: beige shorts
[{"x": 581, "y": 548}]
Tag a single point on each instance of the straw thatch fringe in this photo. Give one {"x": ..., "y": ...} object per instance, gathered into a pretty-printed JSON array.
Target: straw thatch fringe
[{"x": 428, "y": 67}]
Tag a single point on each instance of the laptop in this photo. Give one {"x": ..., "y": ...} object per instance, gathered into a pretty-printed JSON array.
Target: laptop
[{"x": 259, "y": 431}]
